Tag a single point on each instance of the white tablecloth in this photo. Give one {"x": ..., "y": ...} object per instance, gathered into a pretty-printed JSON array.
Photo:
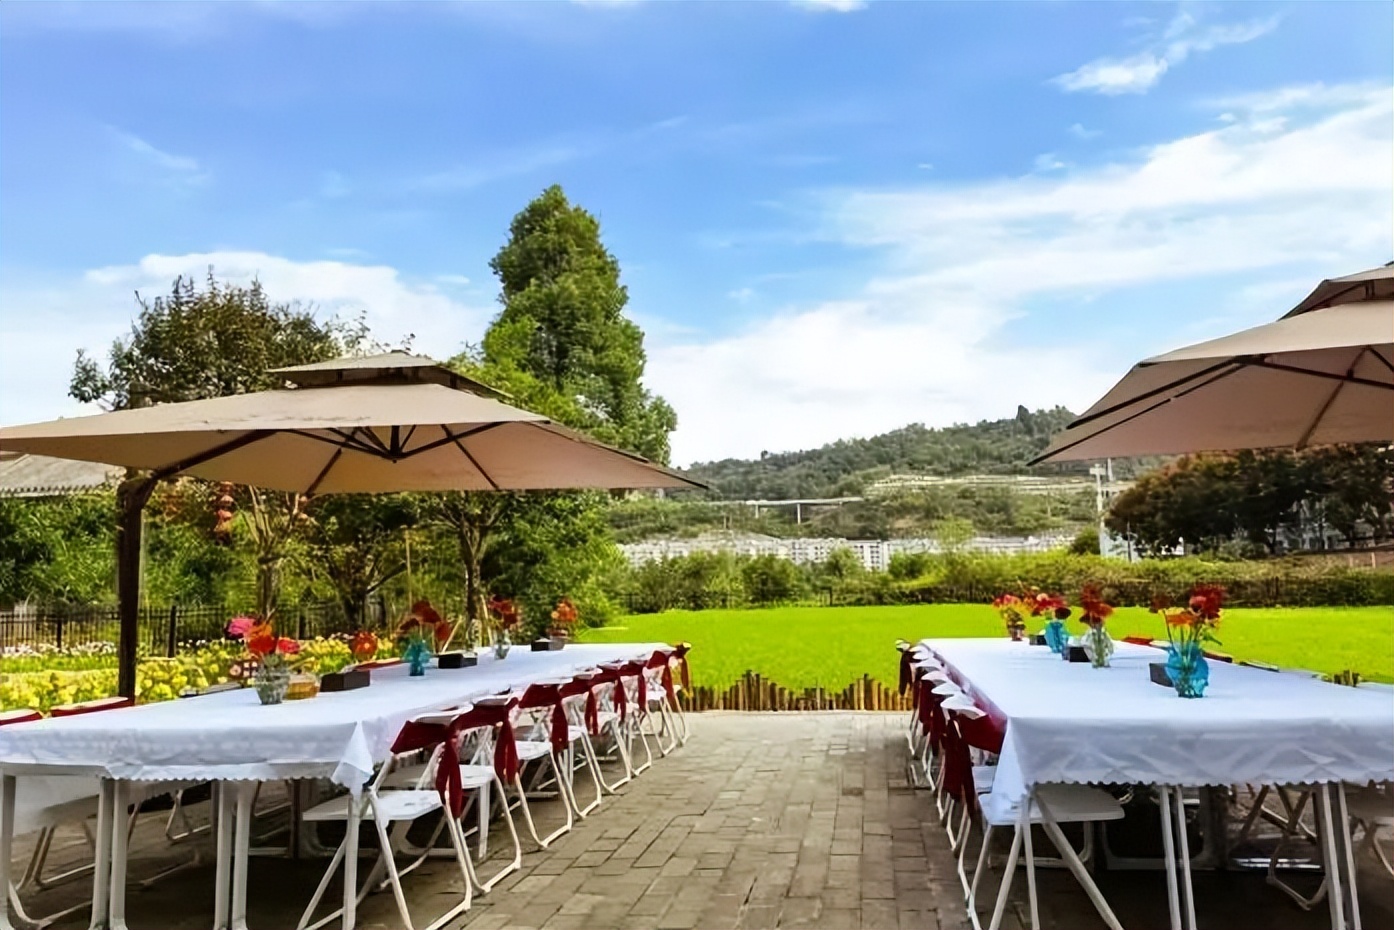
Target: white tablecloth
[
  {"x": 1070, "y": 722},
  {"x": 231, "y": 736}
]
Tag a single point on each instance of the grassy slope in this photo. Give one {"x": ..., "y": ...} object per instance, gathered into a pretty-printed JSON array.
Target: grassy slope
[{"x": 802, "y": 647}]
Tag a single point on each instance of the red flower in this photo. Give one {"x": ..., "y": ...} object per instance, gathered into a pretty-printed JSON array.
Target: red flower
[
  {"x": 364, "y": 645},
  {"x": 287, "y": 646},
  {"x": 1206, "y": 601},
  {"x": 1093, "y": 609},
  {"x": 1045, "y": 603},
  {"x": 260, "y": 639},
  {"x": 1005, "y": 600}
]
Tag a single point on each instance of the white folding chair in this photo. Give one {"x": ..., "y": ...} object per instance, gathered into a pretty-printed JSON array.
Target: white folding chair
[
  {"x": 1048, "y": 806},
  {"x": 389, "y": 807}
]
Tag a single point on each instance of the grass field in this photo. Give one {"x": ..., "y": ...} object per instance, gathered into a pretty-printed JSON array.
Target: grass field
[{"x": 801, "y": 647}]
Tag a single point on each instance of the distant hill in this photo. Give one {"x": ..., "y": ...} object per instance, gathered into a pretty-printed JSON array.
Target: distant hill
[{"x": 847, "y": 466}]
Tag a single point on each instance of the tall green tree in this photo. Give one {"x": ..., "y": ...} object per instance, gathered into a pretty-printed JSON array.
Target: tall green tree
[
  {"x": 563, "y": 323},
  {"x": 560, "y": 346}
]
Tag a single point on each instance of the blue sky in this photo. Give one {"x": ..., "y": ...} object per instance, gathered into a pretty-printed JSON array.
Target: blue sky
[{"x": 834, "y": 218}]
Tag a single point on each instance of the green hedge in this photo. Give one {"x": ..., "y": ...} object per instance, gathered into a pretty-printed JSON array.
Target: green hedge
[{"x": 1272, "y": 583}]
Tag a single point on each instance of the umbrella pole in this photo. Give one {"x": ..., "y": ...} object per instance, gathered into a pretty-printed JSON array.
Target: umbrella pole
[{"x": 131, "y": 498}]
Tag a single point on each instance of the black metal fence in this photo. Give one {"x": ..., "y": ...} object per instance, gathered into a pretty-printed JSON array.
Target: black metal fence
[{"x": 162, "y": 629}]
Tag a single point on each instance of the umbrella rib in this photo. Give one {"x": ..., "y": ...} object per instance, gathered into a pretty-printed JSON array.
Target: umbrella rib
[
  {"x": 1347, "y": 378},
  {"x": 1090, "y": 417},
  {"x": 459, "y": 444},
  {"x": 1382, "y": 360},
  {"x": 1133, "y": 416},
  {"x": 193, "y": 461},
  {"x": 1331, "y": 399},
  {"x": 323, "y": 473},
  {"x": 450, "y": 438},
  {"x": 345, "y": 441}
]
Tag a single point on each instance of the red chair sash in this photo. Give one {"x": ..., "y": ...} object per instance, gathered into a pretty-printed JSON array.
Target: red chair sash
[
  {"x": 981, "y": 733},
  {"x": 668, "y": 685},
  {"x": 416, "y": 735},
  {"x": 905, "y": 660},
  {"x": 1138, "y": 640},
  {"x": 637, "y": 670},
  {"x": 539, "y": 697},
  {"x": 91, "y": 707},
  {"x": 958, "y": 768}
]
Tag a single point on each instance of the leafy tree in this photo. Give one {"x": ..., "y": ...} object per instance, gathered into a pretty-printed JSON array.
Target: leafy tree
[
  {"x": 907, "y": 566},
  {"x": 769, "y": 579},
  {"x": 356, "y": 540},
  {"x": 563, "y": 323},
  {"x": 1086, "y": 542},
  {"x": 56, "y": 548},
  {"x": 194, "y": 344},
  {"x": 561, "y": 346}
]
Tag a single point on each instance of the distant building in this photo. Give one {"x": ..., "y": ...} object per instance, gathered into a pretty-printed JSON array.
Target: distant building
[{"x": 875, "y": 554}]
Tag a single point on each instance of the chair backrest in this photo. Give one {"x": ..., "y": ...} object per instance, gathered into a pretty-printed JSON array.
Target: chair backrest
[
  {"x": 19, "y": 715},
  {"x": 91, "y": 707}
]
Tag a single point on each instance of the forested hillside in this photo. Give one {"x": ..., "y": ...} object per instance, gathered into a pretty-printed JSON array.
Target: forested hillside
[{"x": 847, "y": 466}]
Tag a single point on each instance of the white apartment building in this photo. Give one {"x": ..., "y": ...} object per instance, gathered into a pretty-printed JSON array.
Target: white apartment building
[{"x": 875, "y": 554}]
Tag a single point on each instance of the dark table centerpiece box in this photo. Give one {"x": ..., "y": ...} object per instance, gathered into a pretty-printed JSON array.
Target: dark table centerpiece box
[
  {"x": 547, "y": 644},
  {"x": 1077, "y": 654},
  {"x": 1158, "y": 673},
  {"x": 457, "y": 660},
  {"x": 350, "y": 679},
  {"x": 1038, "y": 639}
]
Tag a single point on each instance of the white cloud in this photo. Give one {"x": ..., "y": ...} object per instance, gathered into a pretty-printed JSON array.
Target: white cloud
[
  {"x": 831, "y": 6},
  {"x": 1047, "y": 161},
  {"x": 1079, "y": 132},
  {"x": 179, "y": 169},
  {"x": 741, "y": 295},
  {"x": 928, "y": 337},
  {"x": 44, "y": 324},
  {"x": 1138, "y": 73}
]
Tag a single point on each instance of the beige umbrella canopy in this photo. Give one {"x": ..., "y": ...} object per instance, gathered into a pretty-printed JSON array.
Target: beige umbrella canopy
[
  {"x": 384, "y": 423},
  {"x": 393, "y": 422},
  {"x": 1324, "y": 373}
]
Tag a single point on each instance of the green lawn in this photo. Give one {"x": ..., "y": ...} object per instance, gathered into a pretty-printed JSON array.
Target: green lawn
[{"x": 801, "y": 647}]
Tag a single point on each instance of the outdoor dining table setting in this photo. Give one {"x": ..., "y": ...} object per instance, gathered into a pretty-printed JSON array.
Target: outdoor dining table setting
[
  {"x": 1063, "y": 733},
  {"x": 231, "y": 740}
]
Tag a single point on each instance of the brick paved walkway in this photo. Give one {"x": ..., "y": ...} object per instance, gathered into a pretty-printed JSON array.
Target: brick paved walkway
[{"x": 761, "y": 821}]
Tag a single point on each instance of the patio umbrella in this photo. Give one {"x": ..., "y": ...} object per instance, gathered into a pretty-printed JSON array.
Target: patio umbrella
[
  {"x": 1324, "y": 373},
  {"x": 392, "y": 422}
]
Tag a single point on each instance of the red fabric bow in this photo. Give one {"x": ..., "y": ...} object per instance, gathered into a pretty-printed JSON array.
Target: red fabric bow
[
  {"x": 668, "y": 685},
  {"x": 549, "y": 696}
]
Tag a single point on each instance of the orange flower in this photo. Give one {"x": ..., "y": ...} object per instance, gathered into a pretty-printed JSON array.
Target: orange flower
[
  {"x": 364, "y": 645},
  {"x": 260, "y": 639},
  {"x": 565, "y": 613}
]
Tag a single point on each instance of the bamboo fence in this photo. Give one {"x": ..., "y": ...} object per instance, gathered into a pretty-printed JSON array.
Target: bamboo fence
[{"x": 754, "y": 693}]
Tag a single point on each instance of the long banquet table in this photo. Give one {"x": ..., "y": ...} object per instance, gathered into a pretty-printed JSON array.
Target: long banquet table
[
  {"x": 229, "y": 738},
  {"x": 1072, "y": 723}
]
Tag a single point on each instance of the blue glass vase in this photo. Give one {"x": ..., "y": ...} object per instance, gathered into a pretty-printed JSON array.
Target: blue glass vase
[
  {"x": 417, "y": 655},
  {"x": 1188, "y": 670},
  {"x": 1055, "y": 636}
]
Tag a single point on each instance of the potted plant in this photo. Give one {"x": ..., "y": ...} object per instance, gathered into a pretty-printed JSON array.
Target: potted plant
[
  {"x": 505, "y": 620},
  {"x": 1094, "y": 612},
  {"x": 421, "y": 634},
  {"x": 564, "y": 617},
  {"x": 1188, "y": 630},
  {"x": 1013, "y": 614},
  {"x": 270, "y": 654}
]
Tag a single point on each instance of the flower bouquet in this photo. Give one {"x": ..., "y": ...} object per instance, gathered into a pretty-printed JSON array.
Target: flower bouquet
[
  {"x": 564, "y": 618},
  {"x": 1013, "y": 613},
  {"x": 1188, "y": 630},
  {"x": 1053, "y": 607},
  {"x": 1094, "y": 612},
  {"x": 421, "y": 634},
  {"x": 505, "y": 620},
  {"x": 269, "y": 655}
]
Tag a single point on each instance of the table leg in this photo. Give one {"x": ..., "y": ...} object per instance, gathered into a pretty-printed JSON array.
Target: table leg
[
  {"x": 242, "y": 840},
  {"x": 7, "y": 836},
  {"x": 222, "y": 827},
  {"x": 1347, "y": 849},
  {"x": 1187, "y": 890},
  {"x": 1169, "y": 854},
  {"x": 101, "y": 861},
  {"x": 1331, "y": 859},
  {"x": 1067, "y": 852},
  {"x": 351, "y": 862},
  {"x": 120, "y": 840}
]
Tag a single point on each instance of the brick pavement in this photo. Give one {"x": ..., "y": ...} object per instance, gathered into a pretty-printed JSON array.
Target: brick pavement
[{"x": 761, "y": 821}]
